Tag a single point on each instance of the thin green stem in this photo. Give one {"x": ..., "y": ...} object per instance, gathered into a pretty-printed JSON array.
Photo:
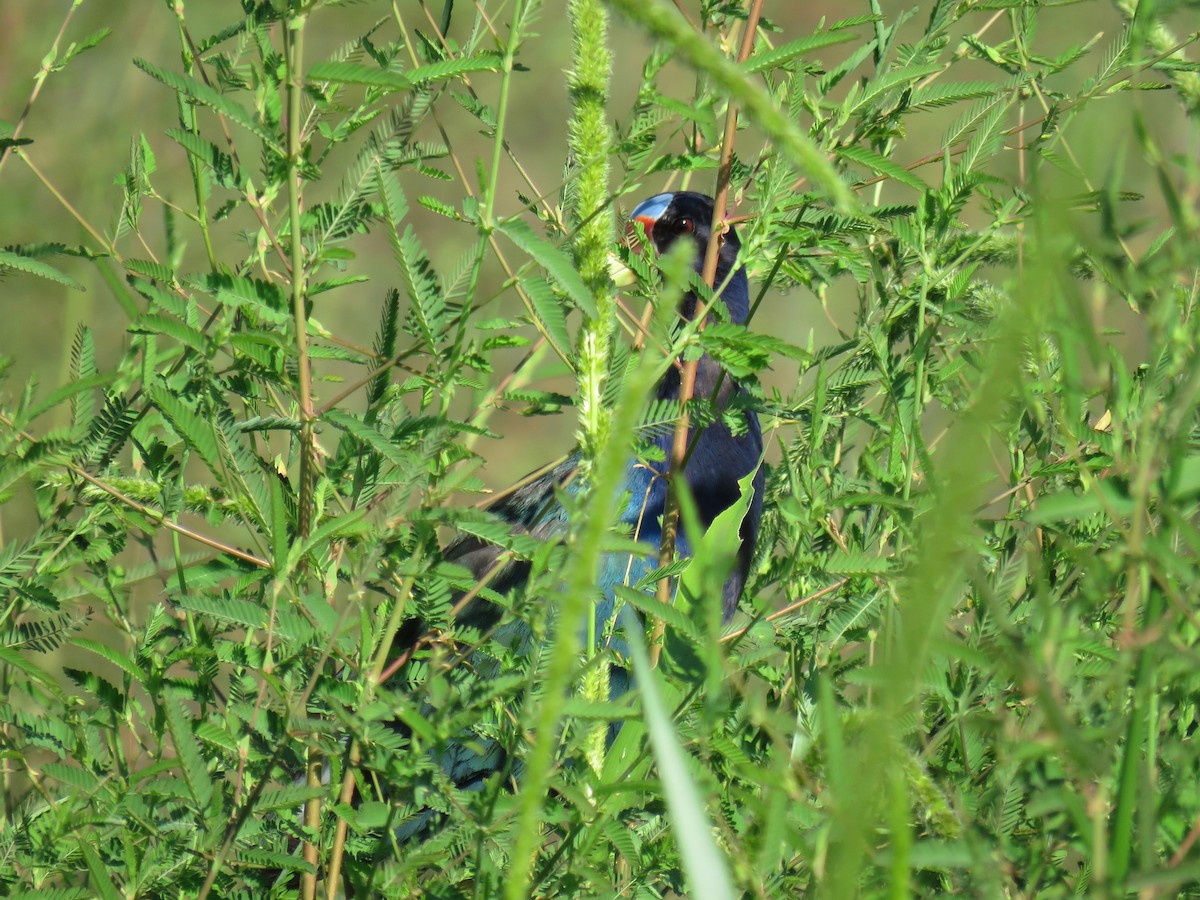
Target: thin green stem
[
  {"x": 39, "y": 80},
  {"x": 187, "y": 118},
  {"x": 294, "y": 43},
  {"x": 506, "y": 73},
  {"x": 608, "y": 472},
  {"x": 370, "y": 685},
  {"x": 294, "y": 57}
]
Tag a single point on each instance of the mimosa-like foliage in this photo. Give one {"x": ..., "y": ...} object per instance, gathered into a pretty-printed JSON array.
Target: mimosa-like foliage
[{"x": 967, "y": 659}]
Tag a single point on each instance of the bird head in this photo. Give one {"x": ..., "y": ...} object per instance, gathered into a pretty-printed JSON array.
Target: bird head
[{"x": 687, "y": 215}]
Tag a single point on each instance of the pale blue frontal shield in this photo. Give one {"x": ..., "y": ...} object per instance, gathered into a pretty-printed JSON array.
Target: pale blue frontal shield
[{"x": 653, "y": 208}]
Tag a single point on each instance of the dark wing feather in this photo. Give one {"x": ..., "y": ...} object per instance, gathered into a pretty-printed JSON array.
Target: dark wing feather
[{"x": 532, "y": 509}]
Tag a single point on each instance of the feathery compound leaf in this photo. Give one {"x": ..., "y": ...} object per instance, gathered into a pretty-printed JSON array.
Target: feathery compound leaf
[
  {"x": 437, "y": 206},
  {"x": 742, "y": 351},
  {"x": 197, "y": 431},
  {"x": 101, "y": 881},
  {"x": 487, "y": 62},
  {"x": 264, "y": 297},
  {"x": 888, "y": 81},
  {"x": 785, "y": 53},
  {"x": 371, "y": 436},
  {"x": 43, "y": 635},
  {"x": 857, "y": 613},
  {"x": 241, "y": 613},
  {"x": 107, "y": 433},
  {"x": 190, "y": 758},
  {"x": 1116, "y": 56},
  {"x": 550, "y": 314},
  {"x": 558, "y": 263},
  {"x": 938, "y": 94},
  {"x": 206, "y": 96},
  {"x": 856, "y": 564},
  {"x": 122, "y": 662},
  {"x": 83, "y": 365},
  {"x": 395, "y": 204},
  {"x": 288, "y": 798},
  {"x": 884, "y": 166},
  {"x": 154, "y": 270},
  {"x": 220, "y": 164},
  {"x": 987, "y": 138},
  {"x": 659, "y": 418},
  {"x": 153, "y": 323},
  {"x": 673, "y": 616},
  {"x": 73, "y": 775},
  {"x": 353, "y": 523},
  {"x": 66, "y": 392},
  {"x": 352, "y": 73},
  {"x": 428, "y": 310},
  {"x": 979, "y": 113},
  {"x": 385, "y": 344},
  {"x": 16, "y": 262}
]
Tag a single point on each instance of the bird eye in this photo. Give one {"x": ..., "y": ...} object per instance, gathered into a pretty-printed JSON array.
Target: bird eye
[{"x": 687, "y": 225}]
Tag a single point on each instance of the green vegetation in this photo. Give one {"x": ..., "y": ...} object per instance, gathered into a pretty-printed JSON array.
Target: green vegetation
[{"x": 969, "y": 657}]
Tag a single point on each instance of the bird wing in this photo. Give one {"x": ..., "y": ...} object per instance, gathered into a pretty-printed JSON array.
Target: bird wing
[{"x": 531, "y": 507}]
